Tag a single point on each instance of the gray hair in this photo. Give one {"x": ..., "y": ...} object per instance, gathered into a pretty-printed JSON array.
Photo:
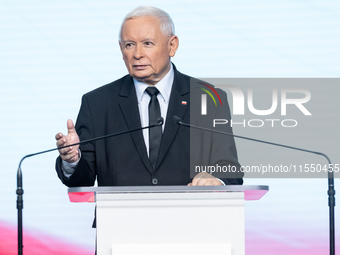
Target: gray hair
[{"x": 167, "y": 25}]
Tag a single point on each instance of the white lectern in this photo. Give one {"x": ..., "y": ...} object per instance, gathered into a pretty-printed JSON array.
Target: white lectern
[{"x": 169, "y": 219}]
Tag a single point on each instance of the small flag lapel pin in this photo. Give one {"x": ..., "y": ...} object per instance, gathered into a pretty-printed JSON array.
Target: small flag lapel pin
[{"x": 184, "y": 102}]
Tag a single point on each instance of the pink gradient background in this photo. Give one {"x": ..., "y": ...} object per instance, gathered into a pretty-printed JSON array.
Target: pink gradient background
[{"x": 36, "y": 243}]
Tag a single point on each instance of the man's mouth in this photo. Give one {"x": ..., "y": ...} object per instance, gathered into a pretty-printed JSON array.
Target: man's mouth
[{"x": 139, "y": 67}]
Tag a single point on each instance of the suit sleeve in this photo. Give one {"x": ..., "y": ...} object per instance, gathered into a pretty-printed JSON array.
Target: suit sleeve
[
  {"x": 85, "y": 172},
  {"x": 212, "y": 152},
  {"x": 223, "y": 148}
]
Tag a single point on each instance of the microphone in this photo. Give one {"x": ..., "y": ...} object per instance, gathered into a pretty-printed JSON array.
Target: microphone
[
  {"x": 20, "y": 191},
  {"x": 331, "y": 191},
  {"x": 177, "y": 120}
]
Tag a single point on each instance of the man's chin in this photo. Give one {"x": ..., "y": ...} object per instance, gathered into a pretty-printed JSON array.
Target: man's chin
[{"x": 146, "y": 79}]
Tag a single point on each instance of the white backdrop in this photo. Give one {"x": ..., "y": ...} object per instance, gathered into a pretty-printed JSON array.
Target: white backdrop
[{"x": 51, "y": 53}]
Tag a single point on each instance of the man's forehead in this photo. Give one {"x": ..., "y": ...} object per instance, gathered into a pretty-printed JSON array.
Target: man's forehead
[
  {"x": 140, "y": 22},
  {"x": 145, "y": 27}
]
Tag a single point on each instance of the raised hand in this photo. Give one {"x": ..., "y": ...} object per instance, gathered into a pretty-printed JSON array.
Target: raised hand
[{"x": 70, "y": 154}]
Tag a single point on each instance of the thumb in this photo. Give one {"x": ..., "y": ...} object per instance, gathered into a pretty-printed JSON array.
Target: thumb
[{"x": 70, "y": 127}]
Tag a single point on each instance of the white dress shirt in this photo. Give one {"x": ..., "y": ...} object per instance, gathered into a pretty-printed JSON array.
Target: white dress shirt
[{"x": 164, "y": 86}]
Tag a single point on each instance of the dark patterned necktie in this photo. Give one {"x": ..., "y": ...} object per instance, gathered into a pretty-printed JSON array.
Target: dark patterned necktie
[{"x": 155, "y": 133}]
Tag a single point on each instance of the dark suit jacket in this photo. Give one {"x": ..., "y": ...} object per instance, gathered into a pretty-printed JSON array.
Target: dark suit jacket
[{"x": 123, "y": 160}]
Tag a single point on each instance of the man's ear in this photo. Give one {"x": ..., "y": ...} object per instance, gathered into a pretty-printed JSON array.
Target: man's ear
[{"x": 173, "y": 45}]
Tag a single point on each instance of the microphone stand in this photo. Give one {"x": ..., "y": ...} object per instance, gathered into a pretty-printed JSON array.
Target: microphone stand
[
  {"x": 20, "y": 191},
  {"x": 330, "y": 192}
]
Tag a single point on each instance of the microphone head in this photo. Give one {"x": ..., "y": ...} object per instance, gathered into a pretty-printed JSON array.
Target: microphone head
[
  {"x": 160, "y": 121},
  {"x": 177, "y": 120}
]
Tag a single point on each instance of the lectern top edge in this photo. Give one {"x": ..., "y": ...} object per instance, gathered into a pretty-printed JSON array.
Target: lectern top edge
[{"x": 87, "y": 194}]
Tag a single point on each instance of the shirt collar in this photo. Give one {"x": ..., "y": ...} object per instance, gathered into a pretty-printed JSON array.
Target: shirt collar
[{"x": 164, "y": 86}]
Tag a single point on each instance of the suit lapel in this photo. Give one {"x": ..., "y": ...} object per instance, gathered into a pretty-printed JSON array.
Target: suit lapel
[
  {"x": 178, "y": 105},
  {"x": 129, "y": 107}
]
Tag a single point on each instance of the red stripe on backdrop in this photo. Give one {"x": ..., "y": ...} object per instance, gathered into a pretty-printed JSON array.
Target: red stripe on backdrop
[{"x": 36, "y": 243}]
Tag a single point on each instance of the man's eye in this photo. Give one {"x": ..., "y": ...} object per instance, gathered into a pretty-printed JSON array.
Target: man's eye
[
  {"x": 148, "y": 43},
  {"x": 128, "y": 45}
]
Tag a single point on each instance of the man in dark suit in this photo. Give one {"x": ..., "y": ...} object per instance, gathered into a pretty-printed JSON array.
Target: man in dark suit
[{"x": 147, "y": 42}]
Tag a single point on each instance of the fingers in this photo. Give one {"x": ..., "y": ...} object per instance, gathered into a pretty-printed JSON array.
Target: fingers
[
  {"x": 199, "y": 181},
  {"x": 69, "y": 154},
  {"x": 205, "y": 179},
  {"x": 71, "y": 138},
  {"x": 70, "y": 127},
  {"x": 58, "y": 136},
  {"x": 62, "y": 140},
  {"x": 65, "y": 151}
]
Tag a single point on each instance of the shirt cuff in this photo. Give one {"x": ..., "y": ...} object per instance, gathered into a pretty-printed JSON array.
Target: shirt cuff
[
  {"x": 221, "y": 181},
  {"x": 68, "y": 168}
]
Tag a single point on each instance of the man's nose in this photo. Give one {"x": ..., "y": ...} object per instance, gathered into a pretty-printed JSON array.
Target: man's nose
[{"x": 138, "y": 52}]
